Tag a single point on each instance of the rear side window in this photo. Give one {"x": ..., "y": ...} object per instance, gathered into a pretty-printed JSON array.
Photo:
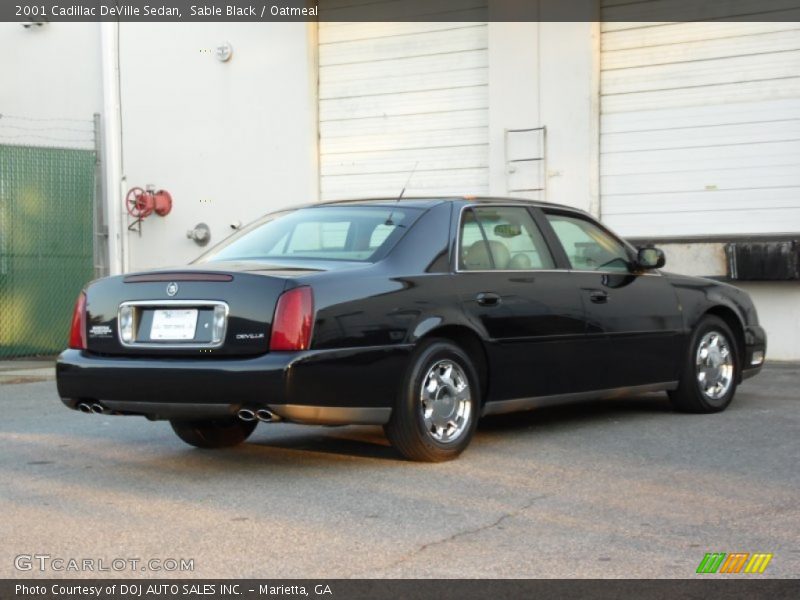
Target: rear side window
[
  {"x": 350, "y": 233},
  {"x": 503, "y": 238}
]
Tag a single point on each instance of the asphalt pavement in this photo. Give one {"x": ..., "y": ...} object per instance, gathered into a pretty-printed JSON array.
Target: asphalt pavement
[{"x": 622, "y": 488}]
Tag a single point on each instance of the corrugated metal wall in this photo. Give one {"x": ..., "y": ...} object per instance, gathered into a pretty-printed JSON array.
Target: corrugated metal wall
[
  {"x": 700, "y": 122},
  {"x": 392, "y": 95}
]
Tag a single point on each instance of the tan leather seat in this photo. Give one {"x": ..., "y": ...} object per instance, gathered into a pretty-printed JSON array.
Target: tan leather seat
[{"x": 477, "y": 257}]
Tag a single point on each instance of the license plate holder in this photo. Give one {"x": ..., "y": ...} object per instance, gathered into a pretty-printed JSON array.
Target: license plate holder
[{"x": 174, "y": 324}]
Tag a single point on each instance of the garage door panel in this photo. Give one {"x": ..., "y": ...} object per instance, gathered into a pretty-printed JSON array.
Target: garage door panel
[
  {"x": 698, "y": 201},
  {"x": 760, "y": 67},
  {"x": 410, "y": 103},
  {"x": 398, "y": 94},
  {"x": 451, "y": 80},
  {"x": 395, "y": 47},
  {"x": 722, "y": 135},
  {"x": 330, "y": 33},
  {"x": 402, "y": 67},
  {"x": 704, "y": 50},
  {"x": 681, "y": 160},
  {"x": 402, "y": 161},
  {"x": 447, "y": 138},
  {"x": 640, "y": 37},
  {"x": 751, "y": 91},
  {"x": 786, "y": 175},
  {"x": 710, "y": 115},
  {"x": 700, "y": 122},
  {"x": 424, "y": 183},
  {"x": 403, "y": 123},
  {"x": 708, "y": 222}
]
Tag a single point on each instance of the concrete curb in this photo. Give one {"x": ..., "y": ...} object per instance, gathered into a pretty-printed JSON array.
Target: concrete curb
[{"x": 31, "y": 375}]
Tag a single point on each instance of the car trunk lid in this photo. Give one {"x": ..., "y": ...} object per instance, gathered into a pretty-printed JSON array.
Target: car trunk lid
[{"x": 189, "y": 312}]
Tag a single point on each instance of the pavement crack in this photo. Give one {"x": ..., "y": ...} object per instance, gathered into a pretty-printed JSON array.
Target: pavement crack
[{"x": 466, "y": 532}]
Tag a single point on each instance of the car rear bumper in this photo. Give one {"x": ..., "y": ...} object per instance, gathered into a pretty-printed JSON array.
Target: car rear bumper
[
  {"x": 353, "y": 385},
  {"x": 755, "y": 340}
]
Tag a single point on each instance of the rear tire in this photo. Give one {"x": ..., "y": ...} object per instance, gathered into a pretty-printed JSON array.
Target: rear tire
[
  {"x": 213, "y": 433},
  {"x": 436, "y": 413},
  {"x": 710, "y": 370}
]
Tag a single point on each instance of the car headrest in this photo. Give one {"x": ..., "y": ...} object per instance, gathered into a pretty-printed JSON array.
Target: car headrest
[
  {"x": 477, "y": 256},
  {"x": 520, "y": 262}
]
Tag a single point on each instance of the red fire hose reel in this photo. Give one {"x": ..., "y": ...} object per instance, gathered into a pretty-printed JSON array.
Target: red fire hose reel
[{"x": 143, "y": 203}]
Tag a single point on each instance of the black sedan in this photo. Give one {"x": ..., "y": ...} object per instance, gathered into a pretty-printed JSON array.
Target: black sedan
[{"x": 419, "y": 315}]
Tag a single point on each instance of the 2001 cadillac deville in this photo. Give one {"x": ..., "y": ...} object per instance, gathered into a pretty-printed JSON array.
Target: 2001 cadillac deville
[{"x": 418, "y": 315}]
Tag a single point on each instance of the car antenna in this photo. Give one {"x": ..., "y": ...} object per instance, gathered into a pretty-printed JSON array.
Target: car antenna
[{"x": 400, "y": 197}]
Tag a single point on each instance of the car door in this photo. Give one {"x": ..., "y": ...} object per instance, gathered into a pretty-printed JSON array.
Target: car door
[
  {"x": 510, "y": 288},
  {"x": 633, "y": 316}
]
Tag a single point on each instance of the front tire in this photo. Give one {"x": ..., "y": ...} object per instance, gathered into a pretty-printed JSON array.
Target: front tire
[
  {"x": 710, "y": 371},
  {"x": 436, "y": 413},
  {"x": 213, "y": 433}
]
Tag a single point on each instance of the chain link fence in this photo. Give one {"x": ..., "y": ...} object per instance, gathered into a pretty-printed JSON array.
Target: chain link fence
[{"x": 46, "y": 232}]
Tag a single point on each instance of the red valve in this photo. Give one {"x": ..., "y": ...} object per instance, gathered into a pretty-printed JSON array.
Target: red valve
[
  {"x": 163, "y": 203},
  {"x": 142, "y": 203},
  {"x": 139, "y": 203}
]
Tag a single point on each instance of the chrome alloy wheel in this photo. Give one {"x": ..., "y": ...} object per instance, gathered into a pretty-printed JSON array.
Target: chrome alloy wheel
[
  {"x": 715, "y": 366},
  {"x": 445, "y": 402}
]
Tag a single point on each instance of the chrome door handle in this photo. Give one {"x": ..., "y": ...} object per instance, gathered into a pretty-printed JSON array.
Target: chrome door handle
[
  {"x": 488, "y": 299},
  {"x": 598, "y": 297}
]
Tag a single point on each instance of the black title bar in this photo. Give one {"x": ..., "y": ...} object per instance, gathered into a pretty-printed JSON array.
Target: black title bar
[
  {"x": 52, "y": 11},
  {"x": 396, "y": 589}
]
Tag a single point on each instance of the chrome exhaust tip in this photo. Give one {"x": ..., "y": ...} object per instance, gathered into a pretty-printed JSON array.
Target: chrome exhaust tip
[
  {"x": 265, "y": 416},
  {"x": 85, "y": 408},
  {"x": 246, "y": 414},
  {"x": 98, "y": 409}
]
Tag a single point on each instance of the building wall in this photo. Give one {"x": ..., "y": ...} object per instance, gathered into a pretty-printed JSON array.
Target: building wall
[
  {"x": 229, "y": 140},
  {"x": 51, "y": 85},
  {"x": 778, "y": 305}
]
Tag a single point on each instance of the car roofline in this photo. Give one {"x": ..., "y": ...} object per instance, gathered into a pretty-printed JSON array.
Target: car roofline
[{"x": 454, "y": 199}]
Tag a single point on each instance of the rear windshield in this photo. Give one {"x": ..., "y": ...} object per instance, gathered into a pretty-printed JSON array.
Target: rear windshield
[{"x": 350, "y": 233}]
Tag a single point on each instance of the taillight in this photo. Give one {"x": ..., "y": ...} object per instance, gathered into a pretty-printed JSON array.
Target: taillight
[
  {"x": 294, "y": 316},
  {"x": 77, "y": 332}
]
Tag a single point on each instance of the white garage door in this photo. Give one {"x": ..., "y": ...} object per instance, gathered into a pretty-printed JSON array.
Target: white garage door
[
  {"x": 700, "y": 121},
  {"x": 392, "y": 95}
]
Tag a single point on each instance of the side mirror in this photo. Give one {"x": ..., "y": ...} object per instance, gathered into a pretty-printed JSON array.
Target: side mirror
[{"x": 650, "y": 258}]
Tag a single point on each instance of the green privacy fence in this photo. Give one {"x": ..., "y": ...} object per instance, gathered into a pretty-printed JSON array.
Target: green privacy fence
[{"x": 46, "y": 237}]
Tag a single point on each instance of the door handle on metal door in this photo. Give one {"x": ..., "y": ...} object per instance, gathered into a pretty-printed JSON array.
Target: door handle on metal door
[
  {"x": 598, "y": 297},
  {"x": 488, "y": 299}
]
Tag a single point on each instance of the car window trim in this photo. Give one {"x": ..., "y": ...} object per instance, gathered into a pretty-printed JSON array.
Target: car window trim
[
  {"x": 584, "y": 217},
  {"x": 627, "y": 246},
  {"x": 557, "y": 251},
  {"x": 457, "y": 261}
]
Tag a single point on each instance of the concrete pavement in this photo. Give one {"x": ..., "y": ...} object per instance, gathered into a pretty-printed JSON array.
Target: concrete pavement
[{"x": 615, "y": 489}]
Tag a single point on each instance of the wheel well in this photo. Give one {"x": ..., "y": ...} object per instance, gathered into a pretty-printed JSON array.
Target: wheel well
[
  {"x": 732, "y": 321},
  {"x": 468, "y": 341}
]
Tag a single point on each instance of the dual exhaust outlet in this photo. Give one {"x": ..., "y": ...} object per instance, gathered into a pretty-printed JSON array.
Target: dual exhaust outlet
[
  {"x": 94, "y": 408},
  {"x": 259, "y": 414},
  {"x": 245, "y": 414}
]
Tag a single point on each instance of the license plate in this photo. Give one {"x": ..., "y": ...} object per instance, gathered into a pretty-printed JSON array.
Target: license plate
[{"x": 174, "y": 324}]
